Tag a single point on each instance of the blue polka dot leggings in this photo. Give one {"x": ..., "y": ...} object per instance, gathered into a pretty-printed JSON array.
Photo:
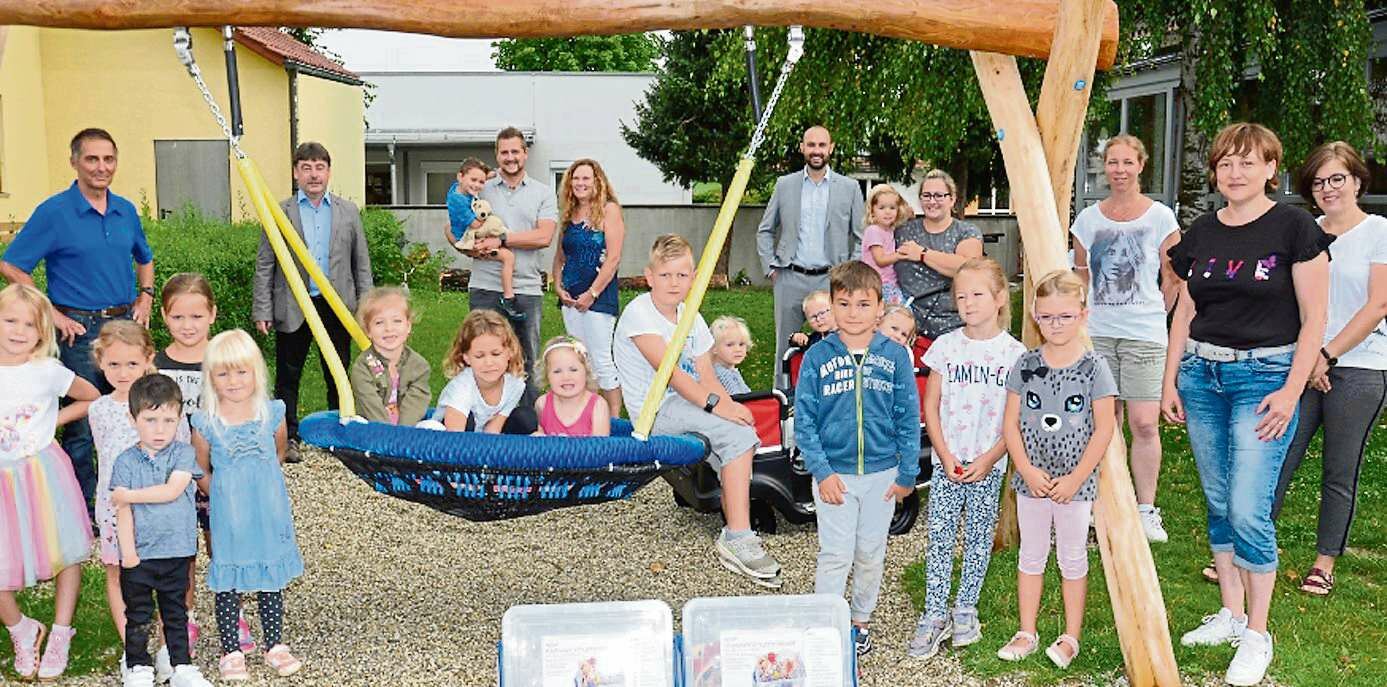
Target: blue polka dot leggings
[{"x": 228, "y": 606}]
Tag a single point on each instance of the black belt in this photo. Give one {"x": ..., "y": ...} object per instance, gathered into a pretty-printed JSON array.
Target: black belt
[
  {"x": 113, "y": 311},
  {"x": 815, "y": 272}
]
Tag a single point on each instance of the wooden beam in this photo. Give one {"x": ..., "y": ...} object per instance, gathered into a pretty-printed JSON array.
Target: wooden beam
[
  {"x": 1015, "y": 27},
  {"x": 1064, "y": 94},
  {"x": 4, "y": 34},
  {"x": 1138, "y": 609}
]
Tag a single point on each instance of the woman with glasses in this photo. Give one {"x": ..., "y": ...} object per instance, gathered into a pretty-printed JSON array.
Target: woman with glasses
[
  {"x": 1348, "y": 385},
  {"x": 1120, "y": 247},
  {"x": 1243, "y": 342},
  {"x": 930, "y": 250}
]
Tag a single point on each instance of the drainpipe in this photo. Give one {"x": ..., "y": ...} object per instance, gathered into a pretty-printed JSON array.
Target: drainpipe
[{"x": 292, "y": 70}]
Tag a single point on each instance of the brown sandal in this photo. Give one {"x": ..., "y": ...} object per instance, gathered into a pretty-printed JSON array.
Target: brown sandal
[
  {"x": 1210, "y": 573},
  {"x": 1317, "y": 582}
]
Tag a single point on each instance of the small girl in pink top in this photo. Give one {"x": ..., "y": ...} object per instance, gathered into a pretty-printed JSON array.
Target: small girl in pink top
[
  {"x": 570, "y": 408},
  {"x": 886, "y": 210}
]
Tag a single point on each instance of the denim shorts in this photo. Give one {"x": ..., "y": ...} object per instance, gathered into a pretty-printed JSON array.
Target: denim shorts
[{"x": 1237, "y": 470}]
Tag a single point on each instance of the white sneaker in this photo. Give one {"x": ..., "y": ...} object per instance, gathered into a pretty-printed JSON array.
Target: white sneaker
[
  {"x": 139, "y": 676},
  {"x": 188, "y": 676},
  {"x": 747, "y": 556},
  {"x": 163, "y": 667},
  {"x": 1152, "y": 525},
  {"x": 1249, "y": 665},
  {"x": 1219, "y": 628}
]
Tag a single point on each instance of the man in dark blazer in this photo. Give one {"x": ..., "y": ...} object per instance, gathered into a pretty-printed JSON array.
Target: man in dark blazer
[
  {"x": 812, "y": 222},
  {"x": 330, "y": 227}
]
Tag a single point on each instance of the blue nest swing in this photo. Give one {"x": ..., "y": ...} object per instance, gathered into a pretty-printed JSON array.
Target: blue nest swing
[{"x": 483, "y": 477}]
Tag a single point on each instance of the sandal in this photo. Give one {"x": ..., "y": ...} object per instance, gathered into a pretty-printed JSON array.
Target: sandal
[
  {"x": 1031, "y": 641},
  {"x": 1317, "y": 582},
  {"x": 1210, "y": 573},
  {"x": 1057, "y": 656}
]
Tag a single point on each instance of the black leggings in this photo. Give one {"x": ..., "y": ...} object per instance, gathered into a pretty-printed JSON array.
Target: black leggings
[{"x": 229, "y": 611}]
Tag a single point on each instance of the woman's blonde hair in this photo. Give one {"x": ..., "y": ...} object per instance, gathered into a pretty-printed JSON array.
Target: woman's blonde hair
[
  {"x": 731, "y": 324},
  {"x": 42, "y": 311},
  {"x": 570, "y": 343},
  {"x": 185, "y": 283},
  {"x": 483, "y": 323},
  {"x": 128, "y": 332},
  {"x": 1126, "y": 140},
  {"x": 949, "y": 183},
  {"x": 376, "y": 298},
  {"x": 896, "y": 309},
  {"x": 234, "y": 349},
  {"x": 602, "y": 194},
  {"x": 903, "y": 209},
  {"x": 1062, "y": 282},
  {"x": 996, "y": 281}
]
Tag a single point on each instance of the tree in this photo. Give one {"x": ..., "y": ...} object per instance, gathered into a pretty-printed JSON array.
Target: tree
[
  {"x": 636, "y": 52},
  {"x": 1311, "y": 85},
  {"x": 892, "y": 102}
]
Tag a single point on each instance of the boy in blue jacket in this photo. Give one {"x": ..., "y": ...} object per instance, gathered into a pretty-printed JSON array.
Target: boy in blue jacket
[{"x": 857, "y": 422}]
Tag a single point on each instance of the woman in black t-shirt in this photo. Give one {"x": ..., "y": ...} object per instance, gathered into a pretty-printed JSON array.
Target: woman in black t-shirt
[{"x": 1243, "y": 342}]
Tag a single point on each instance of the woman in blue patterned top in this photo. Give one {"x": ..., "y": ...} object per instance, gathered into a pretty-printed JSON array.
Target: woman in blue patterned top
[{"x": 585, "y": 264}]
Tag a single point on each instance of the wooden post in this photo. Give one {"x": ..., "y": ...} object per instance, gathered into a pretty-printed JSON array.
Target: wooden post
[
  {"x": 4, "y": 34},
  {"x": 1138, "y": 609}
]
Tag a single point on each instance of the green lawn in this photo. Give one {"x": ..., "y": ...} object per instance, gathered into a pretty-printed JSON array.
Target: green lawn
[{"x": 1334, "y": 641}]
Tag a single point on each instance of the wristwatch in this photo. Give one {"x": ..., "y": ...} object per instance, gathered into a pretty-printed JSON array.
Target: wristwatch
[
  {"x": 712, "y": 401},
  {"x": 503, "y": 240},
  {"x": 1329, "y": 358},
  {"x": 594, "y": 294},
  {"x": 147, "y": 290}
]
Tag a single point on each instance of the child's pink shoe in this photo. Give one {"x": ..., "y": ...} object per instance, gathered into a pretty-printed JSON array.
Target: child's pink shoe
[
  {"x": 54, "y": 662},
  {"x": 283, "y": 662},
  {"x": 193, "y": 633},
  {"x": 243, "y": 636},
  {"x": 27, "y": 637},
  {"x": 233, "y": 667}
]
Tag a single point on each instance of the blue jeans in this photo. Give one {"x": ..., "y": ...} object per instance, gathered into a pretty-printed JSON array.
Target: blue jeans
[
  {"x": 77, "y": 436},
  {"x": 1237, "y": 470}
]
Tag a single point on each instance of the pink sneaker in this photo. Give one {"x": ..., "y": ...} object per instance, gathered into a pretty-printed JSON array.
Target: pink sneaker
[
  {"x": 233, "y": 667},
  {"x": 282, "y": 661},
  {"x": 193, "y": 633},
  {"x": 27, "y": 638},
  {"x": 243, "y": 636},
  {"x": 54, "y": 662}
]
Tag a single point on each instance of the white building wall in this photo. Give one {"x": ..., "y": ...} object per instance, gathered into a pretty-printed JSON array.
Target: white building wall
[{"x": 572, "y": 115}]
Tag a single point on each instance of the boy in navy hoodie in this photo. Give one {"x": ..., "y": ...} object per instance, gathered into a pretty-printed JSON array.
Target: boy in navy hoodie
[{"x": 857, "y": 422}]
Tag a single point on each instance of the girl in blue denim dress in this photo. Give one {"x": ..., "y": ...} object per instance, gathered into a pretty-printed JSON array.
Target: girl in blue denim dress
[{"x": 240, "y": 437}]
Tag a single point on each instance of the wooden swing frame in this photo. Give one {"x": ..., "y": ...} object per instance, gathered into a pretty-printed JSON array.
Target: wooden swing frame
[{"x": 1039, "y": 148}]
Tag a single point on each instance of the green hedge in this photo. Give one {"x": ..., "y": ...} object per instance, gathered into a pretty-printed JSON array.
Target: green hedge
[{"x": 225, "y": 254}]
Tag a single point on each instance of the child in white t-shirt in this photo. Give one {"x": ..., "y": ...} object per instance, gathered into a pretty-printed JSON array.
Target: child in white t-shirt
[
  {"x": 695, "y": 400},
  {"x": 488, "y": 369},
  {"x": 965, "y": 400}
]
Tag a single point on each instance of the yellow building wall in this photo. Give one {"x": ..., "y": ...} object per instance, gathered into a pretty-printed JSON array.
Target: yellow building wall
[
  {"x": 131, "y": 84},
  {"x": 333, "y": 114},
  {"x": 24, "y": 177}
]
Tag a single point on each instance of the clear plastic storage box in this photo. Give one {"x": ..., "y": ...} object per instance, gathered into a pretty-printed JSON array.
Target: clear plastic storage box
[
  {"x": 768, "y": 641},
  {"x": 617, "y": 644}
]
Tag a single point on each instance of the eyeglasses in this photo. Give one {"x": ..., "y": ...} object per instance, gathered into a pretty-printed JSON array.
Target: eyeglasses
[
  {"x": 819, "y": 314},
  {"x": 1331, "y": 181},
  {"x": 1061, "y": 320},
  {"x": 937, "y": 197}
]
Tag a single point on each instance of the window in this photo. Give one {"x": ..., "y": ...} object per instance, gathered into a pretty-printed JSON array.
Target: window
[
  {"x": 1148, "y": 116},
  {"x": 1095, "y": 182},
  {"x": 378, "y": 190},
  {"x": 1377, "y": 157},
  {"x": 1146, "y": 119},
  {"x": 436, "y": 187}
]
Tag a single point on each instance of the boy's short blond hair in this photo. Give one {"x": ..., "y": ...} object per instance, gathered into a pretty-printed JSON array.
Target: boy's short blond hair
[
  {"x": 669, "y": 247},
  {"x": 815, "y": 296}
]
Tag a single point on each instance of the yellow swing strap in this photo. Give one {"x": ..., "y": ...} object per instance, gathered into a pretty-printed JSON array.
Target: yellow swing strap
[{"x": 713, "y": 249}]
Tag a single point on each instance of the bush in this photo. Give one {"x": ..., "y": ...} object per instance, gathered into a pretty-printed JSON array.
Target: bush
[{"x": 393, "y": 259}]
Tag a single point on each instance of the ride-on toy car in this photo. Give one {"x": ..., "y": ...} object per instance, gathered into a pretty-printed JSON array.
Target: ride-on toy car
[{"x": 779, "y": 481}]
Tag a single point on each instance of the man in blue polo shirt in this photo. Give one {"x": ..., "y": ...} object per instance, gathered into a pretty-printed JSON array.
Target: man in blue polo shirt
[{"x": 89, "y": 238}]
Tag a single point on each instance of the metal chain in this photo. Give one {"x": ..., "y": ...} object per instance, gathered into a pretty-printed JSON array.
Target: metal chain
[
  {"x": 796, "y": 50},
  {"x": 182, "y": 44}
]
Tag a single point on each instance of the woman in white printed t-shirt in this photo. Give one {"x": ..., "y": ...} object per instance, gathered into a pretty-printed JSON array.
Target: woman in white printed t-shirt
[
  {"x": 1120, "y": 246},
  {"x": 1348, "y": 387}
]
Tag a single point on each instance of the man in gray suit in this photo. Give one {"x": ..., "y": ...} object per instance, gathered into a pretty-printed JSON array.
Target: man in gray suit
[
  {"x": 812, "y": 222},
  {"x": 331, "y": 228}
]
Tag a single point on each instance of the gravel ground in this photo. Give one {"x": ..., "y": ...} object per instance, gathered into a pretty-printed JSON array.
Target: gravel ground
[{"x": 398, "y": 594}]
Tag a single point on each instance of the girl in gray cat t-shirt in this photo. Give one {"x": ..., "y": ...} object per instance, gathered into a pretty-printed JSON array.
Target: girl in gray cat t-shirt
[{"x": 1059, "y": 420}]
